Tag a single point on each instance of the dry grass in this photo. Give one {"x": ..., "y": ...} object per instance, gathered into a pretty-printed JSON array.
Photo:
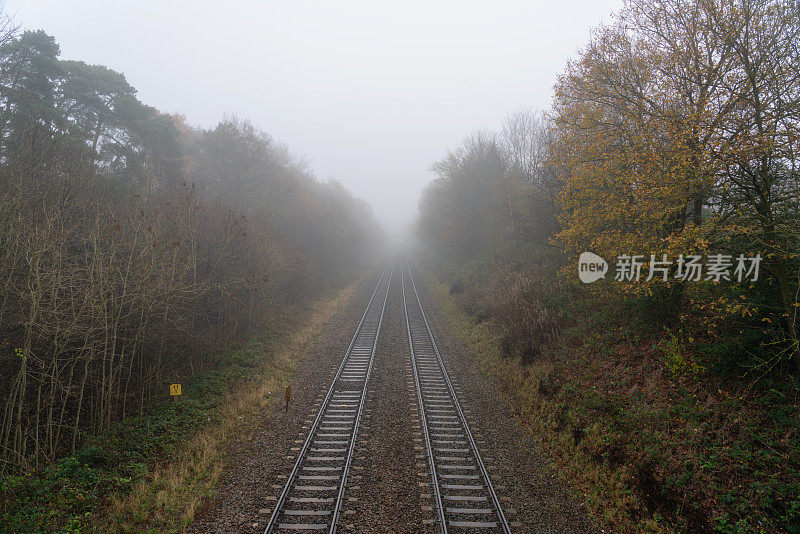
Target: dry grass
[{"x": 167, "y": 500}]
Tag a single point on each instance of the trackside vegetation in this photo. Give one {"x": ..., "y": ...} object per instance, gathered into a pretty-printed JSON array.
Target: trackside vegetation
[
  {"x": 672, "y": 403},
  {"x": 151, "y": 472},
  {"x": 138, "y": 251},
  {"x": 649, "y": 447}
]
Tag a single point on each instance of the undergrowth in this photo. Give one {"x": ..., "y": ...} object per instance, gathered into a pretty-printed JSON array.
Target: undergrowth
[
  {"x": 150, "y": 473},
  {"x": 630, "y": 418}
]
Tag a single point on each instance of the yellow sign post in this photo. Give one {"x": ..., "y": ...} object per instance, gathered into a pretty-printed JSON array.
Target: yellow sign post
[{"x": 174, "y": 389}]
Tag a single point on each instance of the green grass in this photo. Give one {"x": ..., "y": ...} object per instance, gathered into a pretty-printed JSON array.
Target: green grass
[{"x": 66, "y": 495}]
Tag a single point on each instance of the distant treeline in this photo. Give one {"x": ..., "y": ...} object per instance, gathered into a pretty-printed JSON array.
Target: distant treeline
[
  {"x": 132, "y": 244},
  {"x": 676, "y": 131}
]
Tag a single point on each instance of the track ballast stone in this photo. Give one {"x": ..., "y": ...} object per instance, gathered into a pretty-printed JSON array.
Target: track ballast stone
[
  {"x": 389, "y": 487},
  {"x": 258, "y": 462}
]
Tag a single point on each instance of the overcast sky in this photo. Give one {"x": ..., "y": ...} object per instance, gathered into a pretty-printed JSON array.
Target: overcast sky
[{"x": 371, "y": 92}]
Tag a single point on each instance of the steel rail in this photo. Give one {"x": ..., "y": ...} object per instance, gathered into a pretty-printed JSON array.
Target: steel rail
[
  {"x": 434, "y": 477},
  {"x": 280, "y": 504},
  {"x": 352, "y": 447},
  {"x": 502, "y": 520}
]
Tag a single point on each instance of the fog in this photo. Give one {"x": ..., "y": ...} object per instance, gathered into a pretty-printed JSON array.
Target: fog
[
  {"x": 589, "y": 209},
  {"x": 371, "y": 94}
]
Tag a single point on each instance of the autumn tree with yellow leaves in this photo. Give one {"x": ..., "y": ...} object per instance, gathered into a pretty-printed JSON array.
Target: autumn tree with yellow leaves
[{"x": 677, "y": 132}]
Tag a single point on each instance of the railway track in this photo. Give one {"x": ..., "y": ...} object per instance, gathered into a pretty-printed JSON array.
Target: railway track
[
  {"x": 464, "y": 496},
  {"x": 312, "y": 497}
]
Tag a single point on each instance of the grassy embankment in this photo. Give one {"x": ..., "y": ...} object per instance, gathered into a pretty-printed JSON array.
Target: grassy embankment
[
  {"x": 151, "y": 473},
  {"x": 650, "y": 444}
]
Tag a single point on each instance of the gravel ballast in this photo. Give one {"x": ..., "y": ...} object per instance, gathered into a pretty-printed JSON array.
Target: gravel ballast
[
  {"x": 387, "y": 490},
  {"x": 258, "y": 463},
  {"x": 538, "y": 500}
]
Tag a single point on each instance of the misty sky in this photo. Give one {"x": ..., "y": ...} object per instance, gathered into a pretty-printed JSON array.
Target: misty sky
[{"x": 371, "y": 92}]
